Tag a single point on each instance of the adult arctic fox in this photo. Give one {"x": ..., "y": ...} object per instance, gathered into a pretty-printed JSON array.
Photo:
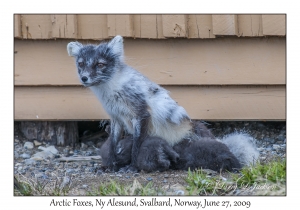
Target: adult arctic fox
[{"x": 133, "y": 102}]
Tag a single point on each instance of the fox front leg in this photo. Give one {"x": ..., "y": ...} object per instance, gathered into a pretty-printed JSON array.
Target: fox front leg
[
  {"x": 116, "y": 131},
  {"x": 140, "y": 133}
]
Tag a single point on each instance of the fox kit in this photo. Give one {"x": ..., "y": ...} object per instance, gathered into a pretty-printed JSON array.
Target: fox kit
[
  {"x": 155, "y": 154},
  {"x": 134, "y": 103}
]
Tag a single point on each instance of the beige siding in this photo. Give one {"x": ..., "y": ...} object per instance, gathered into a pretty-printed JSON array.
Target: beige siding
[
  {"x": 214, "y": 68},
  {"x": 224, "y": 24},
  {"x": 200, "y": 26},
  {"x": 250, "y": 25},
  {"x": 274, "y": 25},
  {"x": 147, "y": 26},
  {"x": 201, "y": 102},
  {"x": 92, "y": 26},
  {"x": 167, "y": 62}
]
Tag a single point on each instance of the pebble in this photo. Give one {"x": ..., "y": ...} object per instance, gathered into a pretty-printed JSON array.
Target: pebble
[
  {"x": 25, "y": 156},
  {"x": 43, "y": 155},
  {"x": 37, "y": 143},
  {"x": 16, "y": 155},
  {"x": 276, "y": 146},
  {"x": 28, "y": 145},
  {"x": 51, "y": 149},
  {"x": 179, "y": 192},
  {"x": 30, "y": 162}
]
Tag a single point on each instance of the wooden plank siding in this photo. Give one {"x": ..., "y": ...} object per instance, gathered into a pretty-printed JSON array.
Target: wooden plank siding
[
  {"x": 103, "y": 26},
  {"x": 167, "y": 62},
  {"x": 201, "y": 102},
  {"x": 218, "y": 67}
]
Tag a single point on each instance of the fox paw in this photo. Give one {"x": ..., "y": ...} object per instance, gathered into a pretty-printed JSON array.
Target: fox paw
[{"x": 128, "y": 169}]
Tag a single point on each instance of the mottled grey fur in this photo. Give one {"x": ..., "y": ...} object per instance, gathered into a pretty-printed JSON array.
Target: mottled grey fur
[
  {"x": 123, "y": 152},
  {"x": 155, "y": 154},
  {"x": 134, "y": 103},
  {"x": 242, "y": 145},
  {"x": 205, "y": 153}
]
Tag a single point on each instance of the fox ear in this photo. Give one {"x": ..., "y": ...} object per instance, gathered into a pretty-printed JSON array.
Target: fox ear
[
  {"x": 117, "y": 45},
  {"x": 73, "y": 48}
]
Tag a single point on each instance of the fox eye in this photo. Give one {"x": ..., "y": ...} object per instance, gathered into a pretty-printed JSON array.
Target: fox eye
[
  {"x": 100, "y": 65},
  {"x": 80, "y": 64}
]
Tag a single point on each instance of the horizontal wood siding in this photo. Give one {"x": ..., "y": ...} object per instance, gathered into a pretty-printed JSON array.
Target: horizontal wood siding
[
  {"x": 201, "y": 102},
  {"x": 218, "y": 67},
  {"x": 103, "y": 26},
  {"x": 231, "y": 61}
]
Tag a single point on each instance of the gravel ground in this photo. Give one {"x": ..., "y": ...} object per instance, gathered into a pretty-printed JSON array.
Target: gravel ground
[{"x": 84, "y": 176}]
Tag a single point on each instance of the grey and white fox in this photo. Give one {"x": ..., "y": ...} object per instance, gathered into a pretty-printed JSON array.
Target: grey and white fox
[{"x": 134, "y": 103}]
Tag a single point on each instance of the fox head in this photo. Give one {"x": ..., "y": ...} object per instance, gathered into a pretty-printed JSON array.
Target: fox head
[{"x": 96, "y": 64}]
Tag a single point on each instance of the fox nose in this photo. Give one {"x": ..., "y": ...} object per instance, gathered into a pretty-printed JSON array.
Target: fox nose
[{"x": 84, "y": 79}]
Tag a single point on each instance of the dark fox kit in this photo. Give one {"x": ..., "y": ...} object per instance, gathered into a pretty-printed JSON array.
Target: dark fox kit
[{"x": 156, "y": 154}]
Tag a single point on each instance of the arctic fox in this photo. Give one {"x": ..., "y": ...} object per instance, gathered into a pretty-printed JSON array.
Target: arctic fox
[
  {"x": 228, "y": 154},
  {"x": 134, "y": 103},
  {"x": 155, "y": 154}
]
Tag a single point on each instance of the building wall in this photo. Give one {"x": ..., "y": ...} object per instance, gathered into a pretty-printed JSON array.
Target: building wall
[{"x": 218, "y": 67}]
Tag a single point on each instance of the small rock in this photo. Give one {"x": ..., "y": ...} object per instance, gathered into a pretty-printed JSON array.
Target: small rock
[
  {"x": 30, "y": 162},
  {"x": 276, "y": 146},
  {"x": 43, "y": 155},
  {"x": 179, "y": 192},
  {"x": 37, "y": 143},
  {"x": 25, "y": 156},
  {"x": 70, "y": 170},
  {"x": 28, "y": 145},
  {"x": 17, "y": 140},
  {"x": 20, "y": 168},
  {"x": 16, "y": 155},
  {"x": 149, "y": 179},
  {"x": 281, "y": 138},
  {"x": 84, "y": 186},
  {"x": 51, "y": 149},
  {"x": 260, "y": 149}
]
